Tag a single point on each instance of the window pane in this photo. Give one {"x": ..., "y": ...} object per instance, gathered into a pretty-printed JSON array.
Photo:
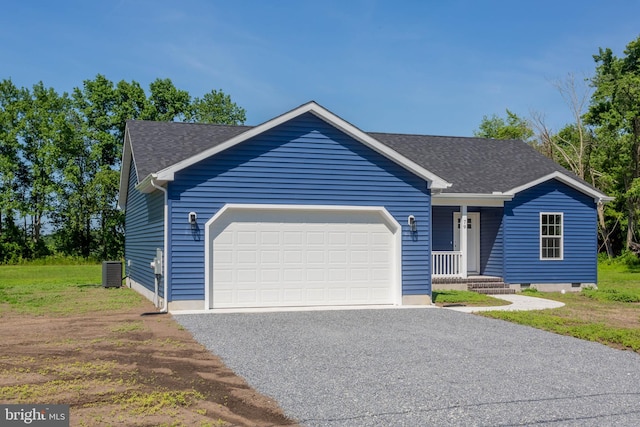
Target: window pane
[{"x": 550, "y": 247}]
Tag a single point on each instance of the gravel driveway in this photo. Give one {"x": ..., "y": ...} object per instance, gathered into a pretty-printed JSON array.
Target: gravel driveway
[{"x": 411, "y": 367}]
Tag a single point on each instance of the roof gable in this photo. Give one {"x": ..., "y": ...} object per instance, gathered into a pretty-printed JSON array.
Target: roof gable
[
  {"x": 159, "y": 145},
  {"x": 167, "y": 174}
]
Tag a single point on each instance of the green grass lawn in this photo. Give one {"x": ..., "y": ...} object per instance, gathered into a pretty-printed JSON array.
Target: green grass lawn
[
  {"x": 59, "y": 290},
  {"x": 609, "y": 315},
  {"x": 466, "y": 298}
]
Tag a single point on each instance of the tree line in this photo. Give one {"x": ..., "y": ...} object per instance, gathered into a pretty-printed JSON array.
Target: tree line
[
  {"x": 60, "y": 153},
  {"x": 60, "y": 159},
  {"x": 602, "y": 143}
]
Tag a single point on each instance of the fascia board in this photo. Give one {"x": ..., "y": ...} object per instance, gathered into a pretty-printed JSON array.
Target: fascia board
[
  {"x": 470, "y": 199},
  {"x": 125, "y": 166},
  {"x": 577, "y": 185},
  {"x": 168, "y": 174}
]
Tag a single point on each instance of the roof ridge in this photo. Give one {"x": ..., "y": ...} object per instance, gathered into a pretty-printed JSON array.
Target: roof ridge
[
  {"x": 445, "y": 136},
  {"x": 163, "y": 122}
]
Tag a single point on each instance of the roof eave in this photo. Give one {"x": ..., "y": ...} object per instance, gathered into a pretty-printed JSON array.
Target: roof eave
[
  {"x": 571, "y": 182},
  {"x": 146, "y": 185},
  {"x": 125, "y": 166},
  {"x": 470, "y": 199}
]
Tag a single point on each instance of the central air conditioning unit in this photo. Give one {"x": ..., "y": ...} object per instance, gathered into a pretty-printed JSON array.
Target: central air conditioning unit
[{"x": 111, "y": 274}]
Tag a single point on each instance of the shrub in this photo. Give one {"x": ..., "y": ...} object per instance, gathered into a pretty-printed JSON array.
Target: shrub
[{"x": 629, "y": 259}]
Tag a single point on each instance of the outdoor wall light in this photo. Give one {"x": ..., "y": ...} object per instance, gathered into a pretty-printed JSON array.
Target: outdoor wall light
[
  {"x": 412, "y": 223},
  {"x": 193, "y": 217}
]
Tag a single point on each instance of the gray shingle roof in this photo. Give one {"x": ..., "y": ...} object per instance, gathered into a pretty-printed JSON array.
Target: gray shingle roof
[
  {"x": 472, "y": 165},
  {"x": 157, "y": 145}
]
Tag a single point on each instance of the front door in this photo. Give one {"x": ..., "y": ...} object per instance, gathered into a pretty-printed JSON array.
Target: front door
[{"x": 473, "y": 239}]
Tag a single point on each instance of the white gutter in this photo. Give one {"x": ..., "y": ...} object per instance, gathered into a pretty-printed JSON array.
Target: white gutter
[{"x": 165, "y": 267}]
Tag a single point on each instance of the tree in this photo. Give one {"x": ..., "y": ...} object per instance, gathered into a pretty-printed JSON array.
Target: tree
[
  {"x": 615, "y": 113},
  {"x": 573, "y": 147},
  {"x": 11, "y": 243},
  {"x": 60, "y": 159},
  {"x": 216, "y": 107},
  {"x": 513, "y": 127},
  {"x": 41, "y": 137},
  {"x": 166, "y": 102}
]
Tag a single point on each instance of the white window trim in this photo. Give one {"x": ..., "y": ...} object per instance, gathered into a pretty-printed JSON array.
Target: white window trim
[{"x": 561, "y": 236}]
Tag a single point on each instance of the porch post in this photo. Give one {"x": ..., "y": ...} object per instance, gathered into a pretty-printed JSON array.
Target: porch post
[{"x": 463, "y": 239}]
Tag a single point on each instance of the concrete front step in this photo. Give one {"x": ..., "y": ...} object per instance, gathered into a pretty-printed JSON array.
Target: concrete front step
[
  {"x": 481, "y": 284},
  {"x": 494, "y": 284},
  {"x": 493, "y": 287},
  {"x": 494, "y": 291}
]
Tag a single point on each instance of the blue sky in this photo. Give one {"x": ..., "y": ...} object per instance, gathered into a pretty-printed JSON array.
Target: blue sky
[{"x": 428, "y": 67}]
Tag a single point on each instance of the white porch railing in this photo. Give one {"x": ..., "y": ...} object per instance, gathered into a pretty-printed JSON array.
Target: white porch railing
[{"x": 446, "y": 263}]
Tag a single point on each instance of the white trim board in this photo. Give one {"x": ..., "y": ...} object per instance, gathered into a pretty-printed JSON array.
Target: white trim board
[{"x": 571, "y": 182}]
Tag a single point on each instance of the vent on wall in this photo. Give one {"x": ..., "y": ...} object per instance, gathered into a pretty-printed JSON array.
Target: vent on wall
[{"x": 111, "y": 274}]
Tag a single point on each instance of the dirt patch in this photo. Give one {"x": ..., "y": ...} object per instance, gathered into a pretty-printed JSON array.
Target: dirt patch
[{"x": 126, "y": 369}]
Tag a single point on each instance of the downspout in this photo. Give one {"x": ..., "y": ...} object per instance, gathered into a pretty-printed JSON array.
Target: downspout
[{"x": 165, "y": 266}]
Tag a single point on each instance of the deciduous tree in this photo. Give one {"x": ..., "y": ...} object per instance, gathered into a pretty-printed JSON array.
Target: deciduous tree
[
  {"x": 615, "y": 114},
  {"x": 511, "y": 127}
]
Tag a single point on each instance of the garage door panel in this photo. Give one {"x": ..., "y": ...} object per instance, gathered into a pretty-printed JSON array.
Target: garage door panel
[
  {"x": 315, "y": 294},
  {"x": 293, "y": 295},
  {"x": 270, "y": 238},
  {"x": 316, "y": 275},
  {"x": 246, "y": 238},
  {"x": 315, "y": 238},
  {"x": 379, "y": 256},
  {"x": 359, "y": 294},
  {"x": 224, "y": 297},
  {"x": 293, "y": 257},
  {"x": 338, "y": 257},
  {"x": 335, "y": 259},
  {"x": 292, "y": 238},
  {"x": 293, "y": 275},
  {"x": 247, "y": 297},
  {"x": 223, "y": 275},
  {"x": 270, "y": 296},
  {"x": 270, "y": 256},
  {"x": 337, "y": 295},
  {"x": 359, "y": 257},
  {"x": 270, "y": 276},
  {"x": 359, "y": 275},
  {"x": 315, "y": 257}
]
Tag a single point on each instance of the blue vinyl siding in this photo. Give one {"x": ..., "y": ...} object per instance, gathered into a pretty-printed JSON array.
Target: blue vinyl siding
[
  {"x": 491, "y": 242},
  {"x": 144, "y": 224},
  {"x": 443, "y": 227},
  {"x": 522, "y": 236},
  {"x": 306, "y": 162}
]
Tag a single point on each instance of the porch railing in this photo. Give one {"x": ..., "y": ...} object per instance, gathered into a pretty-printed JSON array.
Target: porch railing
[{"x": 446, "y": 263}]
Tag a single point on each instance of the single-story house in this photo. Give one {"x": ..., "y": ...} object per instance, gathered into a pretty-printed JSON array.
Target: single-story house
[{"x": 308, "y": 210}]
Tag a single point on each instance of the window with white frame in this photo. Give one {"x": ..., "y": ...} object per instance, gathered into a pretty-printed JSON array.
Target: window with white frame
[{"x": 551, "y": 235}]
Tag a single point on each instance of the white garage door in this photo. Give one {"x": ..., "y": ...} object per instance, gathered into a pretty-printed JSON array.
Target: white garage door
[{"x": 312, "y": 258}]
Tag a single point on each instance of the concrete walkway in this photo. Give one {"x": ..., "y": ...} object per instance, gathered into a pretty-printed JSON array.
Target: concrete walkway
[{"x": 518, "y": 303}]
